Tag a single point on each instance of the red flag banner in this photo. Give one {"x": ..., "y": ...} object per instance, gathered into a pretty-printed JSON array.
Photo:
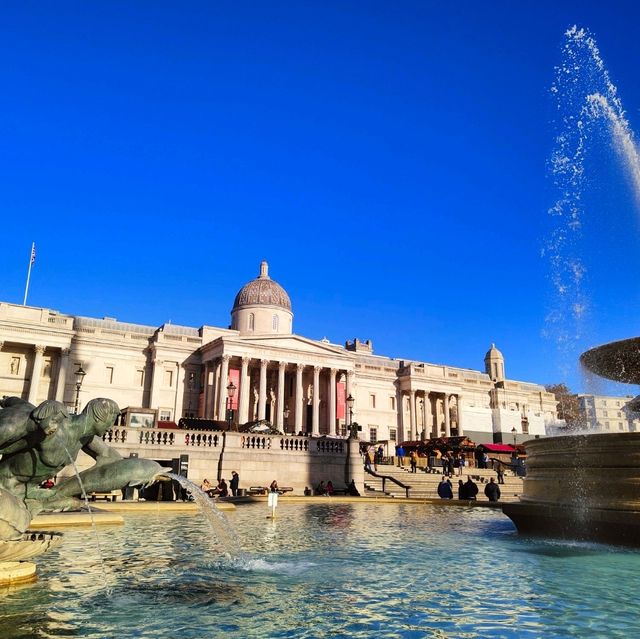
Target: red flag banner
[
  {"x": 340, "y": 397},
  {"x": 234, "y": 376}
]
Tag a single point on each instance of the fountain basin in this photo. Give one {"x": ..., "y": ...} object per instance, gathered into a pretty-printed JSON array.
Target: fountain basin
[
  {"x": 619, "y": 361},
  {"x": 583, "y": 487}
]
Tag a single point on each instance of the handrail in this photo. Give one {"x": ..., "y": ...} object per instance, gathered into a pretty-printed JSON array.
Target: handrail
[{"x": 390, "y": 478}]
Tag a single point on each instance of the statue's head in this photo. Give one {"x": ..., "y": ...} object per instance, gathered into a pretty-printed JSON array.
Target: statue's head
[
  {"x": 49, "y": 415},
  {"x": 102, "y": 414}
]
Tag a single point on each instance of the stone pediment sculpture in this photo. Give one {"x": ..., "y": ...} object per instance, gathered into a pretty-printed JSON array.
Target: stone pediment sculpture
[{"x": 36, "y": 443}]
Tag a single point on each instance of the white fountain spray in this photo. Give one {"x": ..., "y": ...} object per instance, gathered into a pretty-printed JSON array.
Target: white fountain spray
[{"x": 585, "y": 97}]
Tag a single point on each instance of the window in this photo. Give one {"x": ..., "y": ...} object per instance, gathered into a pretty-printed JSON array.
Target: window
[
  {"x": 252, "y": 321},
  {"x": 275, "y": 322},
  {"x": 607, "y": 426},
  {"x": 393, "y": 434},
  {"x": 165, "y": 415},
  {"x": 109, "y": 374},
  {"x": 392, "y": 403},
  {"x": 372, "y": 400},
  {"x": 605, "y": 413},
  {"x": 373, "y": 434},
  {"x": 140, "y": 377},
  {"x": 168, "y": 379},
  {"x": 620, "y": 426}
]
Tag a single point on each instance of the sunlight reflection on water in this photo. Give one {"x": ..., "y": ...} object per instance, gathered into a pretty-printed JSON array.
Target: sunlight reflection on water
[{"x": 323, "y": 570}]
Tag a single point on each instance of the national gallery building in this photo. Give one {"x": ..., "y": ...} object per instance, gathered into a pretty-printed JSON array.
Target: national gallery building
[{"x": 258, "y": 369}]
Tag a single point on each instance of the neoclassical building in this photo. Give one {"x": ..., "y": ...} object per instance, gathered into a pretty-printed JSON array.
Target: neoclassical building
[{"x": 160, "y": 374}]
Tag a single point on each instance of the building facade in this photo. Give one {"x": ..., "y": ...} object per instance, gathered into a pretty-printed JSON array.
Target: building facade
[
  {"x": 301, "y": 385},
  {"x": 608, "y": 413}
]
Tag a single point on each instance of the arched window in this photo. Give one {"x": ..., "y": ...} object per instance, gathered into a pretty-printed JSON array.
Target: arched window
[
  {"x": 275, "y": 322},
  {"x": 252, "y": 321}
]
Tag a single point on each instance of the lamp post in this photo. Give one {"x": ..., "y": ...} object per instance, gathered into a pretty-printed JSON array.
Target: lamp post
[
  {"x": 350, "y": 401},
  {"x": 79, "y": 374},
  {"x": 513, "y": 432},
  {"x": 231, "y": 391},
  {"x": 285, "y": 413},
  {"x": 423, "y": 432}
]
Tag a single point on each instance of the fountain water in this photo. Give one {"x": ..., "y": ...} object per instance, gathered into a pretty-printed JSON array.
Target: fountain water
[{"x": 584, "y": 486}]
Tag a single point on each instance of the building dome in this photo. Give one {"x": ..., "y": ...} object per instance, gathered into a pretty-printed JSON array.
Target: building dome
[
  {"x": 263, "y": 291},
  {"x": 262, "y": 306}
]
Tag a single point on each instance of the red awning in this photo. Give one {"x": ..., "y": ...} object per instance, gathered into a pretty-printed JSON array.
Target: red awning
[{"x": 498, "y": 448}]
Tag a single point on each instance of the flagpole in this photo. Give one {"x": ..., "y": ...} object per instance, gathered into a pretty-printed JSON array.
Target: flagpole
[{"x": 32, "y": 259}]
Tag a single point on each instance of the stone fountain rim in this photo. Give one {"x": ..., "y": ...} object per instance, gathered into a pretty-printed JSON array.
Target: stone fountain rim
[{"x": 621, "y": 358}]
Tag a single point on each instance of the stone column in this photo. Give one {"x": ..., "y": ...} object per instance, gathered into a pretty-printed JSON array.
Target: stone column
[
  {"x": 262, "y": 398},
  {"x": 280, "y": 402},
  {"x": 447, "y": 420},
  {"x": 428, "y": 415},
  {"x": 332, "y": 401},
  {"x": 459, "y": 413},
  {"x": 402, "y": 435},
  {"x": 412, "y": 414},
  {"x": 207, "y": 390},
  {"x": 243, "y": 392},
  {"x": 62, "y": 374},
  {"x": 156, "y": 380},
  {"x": 36, "y": 373},
  {"x": 315, "y": 424},
  {"x": 222, "y": 392},
  {"x": 180, "y": 391},
  {"x": 299, "y": 369}
]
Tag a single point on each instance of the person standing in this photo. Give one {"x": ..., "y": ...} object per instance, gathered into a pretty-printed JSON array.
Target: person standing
[
  {"x": 492, "y": 490},
  {"x": 233, "y": 484},
  {"x": 499, "y": 468},
  {"x": 413, "y": 459}
]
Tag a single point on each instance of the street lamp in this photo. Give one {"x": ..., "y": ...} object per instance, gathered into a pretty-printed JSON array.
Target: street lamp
[
  {"x": 80, "y": 373},
  {"x": 350, "y": 401},
  {"x": 423, "y": 432},
  {"x": 285, "y": 413},
  {"x": 231, "y": 391},
  {"x": 513, "y": 432}
]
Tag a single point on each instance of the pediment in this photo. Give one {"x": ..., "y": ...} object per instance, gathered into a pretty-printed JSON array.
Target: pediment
[{"x": 295, "y": 343}]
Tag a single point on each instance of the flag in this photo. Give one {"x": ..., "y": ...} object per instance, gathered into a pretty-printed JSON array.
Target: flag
[{"x": 33, "y": 253}]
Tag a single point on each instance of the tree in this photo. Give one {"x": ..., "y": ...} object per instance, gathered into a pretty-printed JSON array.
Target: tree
[{"x": 568, "y": 405}]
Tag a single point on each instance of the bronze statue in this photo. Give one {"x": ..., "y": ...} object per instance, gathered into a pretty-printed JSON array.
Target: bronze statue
[{"x": 36, "y": 443}]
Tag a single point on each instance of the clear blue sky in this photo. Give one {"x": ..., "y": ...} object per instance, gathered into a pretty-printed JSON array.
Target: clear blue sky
[{"x": 387, "y": 158}]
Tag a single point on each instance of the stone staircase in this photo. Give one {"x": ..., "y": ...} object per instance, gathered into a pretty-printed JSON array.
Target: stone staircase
[{"x": 424, "y": 485}]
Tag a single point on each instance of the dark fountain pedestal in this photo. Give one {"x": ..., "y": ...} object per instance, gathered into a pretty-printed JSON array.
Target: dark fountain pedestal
[{"x": 586, "y": 487}]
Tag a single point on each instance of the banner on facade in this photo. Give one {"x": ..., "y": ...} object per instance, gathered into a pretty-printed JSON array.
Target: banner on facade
[
  {"x": 340, "y": 397},
  {"x": 234, "y": 376}
]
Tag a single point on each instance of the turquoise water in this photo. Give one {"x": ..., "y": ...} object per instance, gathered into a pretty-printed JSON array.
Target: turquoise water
[{"x": 327, "y": 570}]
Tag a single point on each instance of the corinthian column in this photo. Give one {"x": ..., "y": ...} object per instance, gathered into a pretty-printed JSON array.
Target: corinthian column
[
  {"x": 280, "y": 403},
  {"x": 447, "y": 417},
  {"x": 315, "y": 424},
  {"x": 262, "y": 399},
  {"x": 36, "y": 373},
  {"x": 299, "y": 369},
  {"x": 412, "y": 414},
  {"x": 62, "y": 374},
  {"x": 243, "y": 398},
  {"x": 222, "y": 393}
]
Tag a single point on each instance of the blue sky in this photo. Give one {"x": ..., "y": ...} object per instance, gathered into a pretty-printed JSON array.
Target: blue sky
[{"x": 389, "y": 160}]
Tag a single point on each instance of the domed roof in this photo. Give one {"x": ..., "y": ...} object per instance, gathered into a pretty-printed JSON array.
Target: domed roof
[
  {"x": 493, "y": 352},
  {"x": 262, "y": 291}
]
